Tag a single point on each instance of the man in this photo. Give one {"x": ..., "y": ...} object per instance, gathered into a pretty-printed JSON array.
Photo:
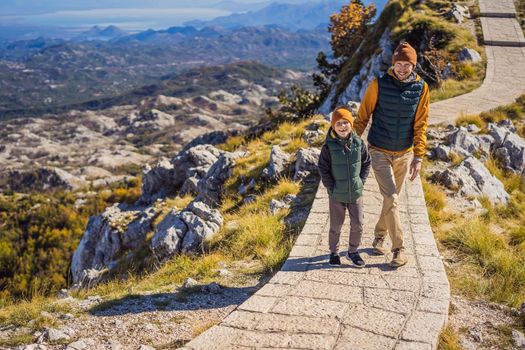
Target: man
[{"x": 399, "y": 103}]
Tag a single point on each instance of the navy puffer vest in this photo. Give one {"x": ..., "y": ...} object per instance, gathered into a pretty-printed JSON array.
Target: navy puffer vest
[{"x": 393, "y": 120}]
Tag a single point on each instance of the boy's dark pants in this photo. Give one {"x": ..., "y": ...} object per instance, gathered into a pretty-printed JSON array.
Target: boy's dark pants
[{"x": 337, "y": 218}]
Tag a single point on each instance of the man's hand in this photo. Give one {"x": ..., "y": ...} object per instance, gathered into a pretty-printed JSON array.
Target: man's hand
[{"x": 415, "y": 168}]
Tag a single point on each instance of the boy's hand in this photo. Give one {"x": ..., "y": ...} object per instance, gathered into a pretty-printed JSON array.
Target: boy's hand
[{"x": 415, "y": 168}]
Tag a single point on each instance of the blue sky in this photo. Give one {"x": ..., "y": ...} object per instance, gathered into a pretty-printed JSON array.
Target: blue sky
[{"x": 128, "y": 14}]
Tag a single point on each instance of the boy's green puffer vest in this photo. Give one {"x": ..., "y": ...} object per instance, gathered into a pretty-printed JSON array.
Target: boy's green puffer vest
[
  {"x": 393, "y": 121},
  {"x": 346, "y": 167}
]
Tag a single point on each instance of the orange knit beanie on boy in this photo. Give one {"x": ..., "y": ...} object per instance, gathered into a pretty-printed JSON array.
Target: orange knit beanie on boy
[{"x": 342, "y": 113}]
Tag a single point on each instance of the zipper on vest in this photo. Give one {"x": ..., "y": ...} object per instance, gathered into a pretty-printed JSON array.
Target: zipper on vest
[{"x": 349, "y": 176}]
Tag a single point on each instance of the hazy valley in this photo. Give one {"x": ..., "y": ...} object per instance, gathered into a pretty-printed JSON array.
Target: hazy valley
[{"x": 122, "y": 138}]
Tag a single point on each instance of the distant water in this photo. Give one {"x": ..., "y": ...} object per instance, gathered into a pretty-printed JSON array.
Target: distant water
[{"x": 132, "y": 19}]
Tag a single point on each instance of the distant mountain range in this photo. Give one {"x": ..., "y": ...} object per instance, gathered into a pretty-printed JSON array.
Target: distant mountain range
[
  {"x": 42, "y": 75},
  {"x": 290, "y": 16},
  {"x": 104, "y": 34}
]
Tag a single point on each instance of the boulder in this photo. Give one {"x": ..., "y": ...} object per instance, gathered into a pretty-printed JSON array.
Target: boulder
[
  {"x": 472, "y": 178},
  {"x": 189, "y": 283},
  {"x": 33, "y": 347},
  {"x": 441, "y": 152},
  {"x": 458, "y": 13},
  {"x": 276, "y": 205},
  {"x": 467, "y": 54},
  {"x": 473, "y": 128},
  {"x": 185, "y": 231},
  {"x": 278, "y": 166},
  {"x": 167, "y": 240},
  {"x": 106, "y": 237},
  {"x": 168, "y": 176},
  {"x": 464, "y": 143},
  {"x": 508, "y": 147},
  {"x": 189, "y": 187},
  {"x": 210, "y": 186},
  {"x": 518, "y": 339},
  {"x": 157, "y": 182},
  {"x": 82, "y": 344},
  {"x": 53, "y": 335},
  {"x": 306, "y": 163}
]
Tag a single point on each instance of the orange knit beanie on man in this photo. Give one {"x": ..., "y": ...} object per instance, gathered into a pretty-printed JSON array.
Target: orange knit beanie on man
[
  {"x": 405, "y": 52},
  {"x": 342, "y": 113}
]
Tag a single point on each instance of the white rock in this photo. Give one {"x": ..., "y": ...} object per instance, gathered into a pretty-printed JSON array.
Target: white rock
[{"x": 189, "y": 283}]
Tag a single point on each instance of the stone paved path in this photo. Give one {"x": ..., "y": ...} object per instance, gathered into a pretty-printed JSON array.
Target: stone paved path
[
  {"x": 505, "y": 76},
  {"x": 310, "y": 305}
]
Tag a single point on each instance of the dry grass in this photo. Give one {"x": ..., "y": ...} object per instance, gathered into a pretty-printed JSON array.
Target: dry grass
[
  {"x": 449, "y": 340},
  {"x": 451, "y": 88},
  {"x": 169, "y": 204},
  {"x": 467, "y": 119},
  {"x": 20, "y": 313},
  {"x": 436, "y": 201},
  {"x": 455, "y": 158}
]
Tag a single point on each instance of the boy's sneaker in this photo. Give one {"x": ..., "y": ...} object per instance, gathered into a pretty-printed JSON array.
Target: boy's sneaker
[
  {"x": 334, "y": 260},
  {"x": 377, "y": 244},
  {"x": 355, "y": 258},
  {"x": 399, "y": 258}
]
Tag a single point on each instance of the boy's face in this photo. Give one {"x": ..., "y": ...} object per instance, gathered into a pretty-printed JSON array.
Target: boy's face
[
  {"x": 343, "y": 128},
  {"x": 402, "y": 69}
]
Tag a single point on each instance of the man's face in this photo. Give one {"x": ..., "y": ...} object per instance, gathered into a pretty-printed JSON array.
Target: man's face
[
  {"x": 402, "y": 69},
  {"x": 343, "y": 128}
]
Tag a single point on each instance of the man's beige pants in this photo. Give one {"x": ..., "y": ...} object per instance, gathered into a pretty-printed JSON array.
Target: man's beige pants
[{"x": 390, "y": 172}]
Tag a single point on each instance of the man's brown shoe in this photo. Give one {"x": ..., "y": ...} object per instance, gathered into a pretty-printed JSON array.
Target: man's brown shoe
[
  {"x": 377, "y": 244},
  {"x": 399, "y": 258}
]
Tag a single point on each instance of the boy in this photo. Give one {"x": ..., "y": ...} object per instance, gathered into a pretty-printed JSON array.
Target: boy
[{"x": 344, "y": 164}]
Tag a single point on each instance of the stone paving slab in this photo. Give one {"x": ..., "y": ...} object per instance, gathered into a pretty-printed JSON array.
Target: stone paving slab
[
  {"x": 502, "y": 32},
  {"x": 497, "y": 8},
  {"x": 311, "y": 305}
]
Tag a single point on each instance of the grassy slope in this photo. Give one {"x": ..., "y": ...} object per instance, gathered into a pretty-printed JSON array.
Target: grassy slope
[
  {"x": 252, "y": 239},
  {"x": 487, "y": 251}
]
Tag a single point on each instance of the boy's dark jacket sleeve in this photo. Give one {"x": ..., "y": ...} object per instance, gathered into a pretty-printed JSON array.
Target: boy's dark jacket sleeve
[
  {"x": 366, "y": 161},
  {"x": 325, "y": 168}
]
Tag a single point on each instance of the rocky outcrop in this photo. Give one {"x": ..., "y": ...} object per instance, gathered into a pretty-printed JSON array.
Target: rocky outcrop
[
  {"x": 213, "y": 138},
  {"x": 150, "y": 120},
  {"x": 40, "y": 179},
  {"x": 279, "y": 163},
  {"x": 106, "y": 238},
  {"x": 508, "y": 147},
  {"x": 168, "y": 176},
  {"x": 185, "y": 231},
  {"x": 306, "y": 163},
  {"x": 471, "y": 55},
  {"x": 458, "y": 13},
  {"x": 374, "y": 67},
  {"x": 465, "y": 144},
  {"x": 472, "y": 178},
  {"x": 210, "y": 186}
]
